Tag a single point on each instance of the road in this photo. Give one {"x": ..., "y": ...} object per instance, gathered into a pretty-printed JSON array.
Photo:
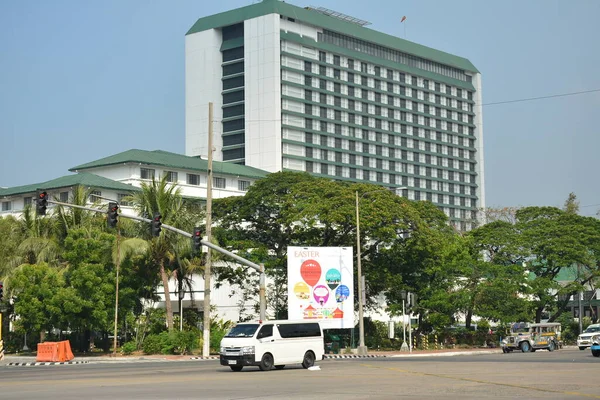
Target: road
[{"x": 564, "y": 374}]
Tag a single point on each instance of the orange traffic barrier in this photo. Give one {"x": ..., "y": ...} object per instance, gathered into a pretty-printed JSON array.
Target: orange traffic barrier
[
  {"x": 54, "y": 352},
  {"x": 47, "y": 351},
  {"x": 64, "y": 351}
]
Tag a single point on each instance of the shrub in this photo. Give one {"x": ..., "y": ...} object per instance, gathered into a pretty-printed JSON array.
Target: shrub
[
  {"x": 170, "y": 343},
  {"x": 183, "y": 342},
  {"x": 152, "y": 344},
  {"x": 128, "y": 348}
]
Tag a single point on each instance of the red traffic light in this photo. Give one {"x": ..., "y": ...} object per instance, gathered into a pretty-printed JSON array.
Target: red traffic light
[{"x": 42, "y": 195}]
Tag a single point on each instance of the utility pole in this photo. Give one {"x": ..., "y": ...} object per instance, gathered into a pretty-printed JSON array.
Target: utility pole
[
  {"x": 206, "y": 324},
  {"x": 117, "y": 287}
]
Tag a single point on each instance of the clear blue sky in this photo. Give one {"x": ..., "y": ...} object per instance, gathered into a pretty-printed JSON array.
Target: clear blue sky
[{"x": 81, "y": 80}]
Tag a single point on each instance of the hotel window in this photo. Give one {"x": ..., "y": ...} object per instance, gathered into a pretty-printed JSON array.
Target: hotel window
[
  {"x": 27, "y": 201},
  {"x": 146, "y": 173},
  {"x": 120, "y": 199},
  {"x": 171, "y": 176},
  {"x": 219, "y": 183},
  {"x": 93, "y": 194},
  {"x": 193, "y": 179},
  {"x": 63, "y": 197},
  {"x": 243, "y": 186},
  {"x": 6, "y": 206}
]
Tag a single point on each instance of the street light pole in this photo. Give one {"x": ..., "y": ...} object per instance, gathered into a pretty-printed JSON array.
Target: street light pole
[
  {"x": 362, "y": 349},
  {"x": 404, "y": 347}
]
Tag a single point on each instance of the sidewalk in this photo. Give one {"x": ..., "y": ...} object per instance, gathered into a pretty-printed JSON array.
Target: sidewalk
[{"x": 28, "y": 360}]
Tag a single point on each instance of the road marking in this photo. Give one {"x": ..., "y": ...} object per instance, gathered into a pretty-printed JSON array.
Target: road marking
[{"x": 484, "y": 382}]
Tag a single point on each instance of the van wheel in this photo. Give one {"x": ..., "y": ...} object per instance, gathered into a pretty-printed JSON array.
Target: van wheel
[
  {"x": 581, "y": 347},
  {"x": 279, "y": 366},
  {"x": 236, "y": 368},
  {"x": 596, "y": 353},
  {"x": 266, "y": 363},
  {"x": 525, "y": 347},
  {"x": 309, "y": 359}
]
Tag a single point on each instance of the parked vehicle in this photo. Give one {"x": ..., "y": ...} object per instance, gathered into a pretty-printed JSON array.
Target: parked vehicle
[
  {"x": 531, "y": 337},
  {"x": 595, "y": 346},
  {"x": 272, "y": 344},
  {"x": 584, "y": 340}
]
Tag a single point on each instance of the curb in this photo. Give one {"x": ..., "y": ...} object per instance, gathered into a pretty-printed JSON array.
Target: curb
[
  {"x": 326, "y": 356},
  {"x": 206, "y": 358},
  {"x": 28, "y": 364}
]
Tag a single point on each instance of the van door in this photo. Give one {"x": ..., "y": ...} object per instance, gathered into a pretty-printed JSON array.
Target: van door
[{"x": 265, "y": 342}]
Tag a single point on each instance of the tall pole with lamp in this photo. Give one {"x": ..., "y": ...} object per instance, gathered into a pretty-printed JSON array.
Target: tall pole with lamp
[
  {"x": 362, "y": 349},
  {"x": 404, "y": 347}
]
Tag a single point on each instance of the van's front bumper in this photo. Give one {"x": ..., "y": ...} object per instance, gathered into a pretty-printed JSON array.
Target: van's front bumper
[{"x": 245, "y": 359}]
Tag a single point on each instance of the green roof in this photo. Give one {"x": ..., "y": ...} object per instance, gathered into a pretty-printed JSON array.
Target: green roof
[
  {"x": 173, "y": 160},
  {"x": 316, "y": 18},
  {"x": 81, "y": 179}
]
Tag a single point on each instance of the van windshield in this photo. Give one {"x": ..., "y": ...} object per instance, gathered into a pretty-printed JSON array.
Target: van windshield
[
  {"x": 592, "y": 329},
  {"x": 245, "y": 330}
]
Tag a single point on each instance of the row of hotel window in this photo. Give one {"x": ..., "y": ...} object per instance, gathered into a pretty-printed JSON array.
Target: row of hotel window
[
  {"x": 431, "y": 91},
  {"x": 383, "y": 52},
  {"x": 193, "y": 179},
  {"x": 392, "y": 152},
  {"x": 63, "y": 197},
  {"x": 376, "y": 148},
  {"x": 362, "y": 67},
  {"x": 402, "y": 140},
  {"x": 395, "y": 165},
  {"x": 383, "y": 177},
  {"x": 381, "y": 101}
]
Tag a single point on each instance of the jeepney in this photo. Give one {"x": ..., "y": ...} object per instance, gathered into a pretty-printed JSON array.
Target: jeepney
[
  {"x": 528, "y": 337},
  {"x": 595, "y": 345}
]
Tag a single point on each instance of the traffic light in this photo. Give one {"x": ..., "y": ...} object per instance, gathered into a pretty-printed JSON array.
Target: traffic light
[
  {"x": 156, "y": 224},
  {"x": 1, "y": 292},
  {"x": 113, "y": 214},
  {"x": 197, "y": 241},
  {"x": 41, "y": 202}
]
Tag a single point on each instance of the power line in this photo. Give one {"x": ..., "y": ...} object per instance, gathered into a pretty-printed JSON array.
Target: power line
[
  {"x": 590, "y": 205},
  {"x": 542, "y": 97},
  {"x": 480, "y": 105}
]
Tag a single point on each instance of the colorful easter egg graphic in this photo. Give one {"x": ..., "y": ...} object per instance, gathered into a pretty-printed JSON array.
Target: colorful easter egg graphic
[
  {"x": 310, "y": 270},
  {"x": 333, "y": 278},
  {"x": 302, "y": 291},
  {"x": 321, "y": 294},
  {"x": 342, "y": 293}
]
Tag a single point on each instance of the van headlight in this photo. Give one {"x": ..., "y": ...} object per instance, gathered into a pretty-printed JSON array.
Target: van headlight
[
  {"x": 222, "y": 350},
  {"x": 596, "y": 339},
  {"x": 248, "y": 350}
]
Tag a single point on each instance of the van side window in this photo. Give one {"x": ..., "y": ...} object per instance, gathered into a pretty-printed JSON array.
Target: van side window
[
  {"x": 265, "y": 331},
  {"x": 299, "y": 330}
]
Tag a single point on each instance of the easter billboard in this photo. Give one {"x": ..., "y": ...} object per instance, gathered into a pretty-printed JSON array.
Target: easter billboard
[{"x": 320, "y": 285}]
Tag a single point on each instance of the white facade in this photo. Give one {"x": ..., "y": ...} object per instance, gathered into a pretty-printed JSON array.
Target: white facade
[
  {"x": 203, "y": 85},
  {"x": 263, "y": 92},
  {"x": 340, "y": 102}
]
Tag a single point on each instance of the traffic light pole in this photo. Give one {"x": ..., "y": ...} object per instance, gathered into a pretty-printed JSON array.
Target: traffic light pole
[{"x": 260, "y": 268}]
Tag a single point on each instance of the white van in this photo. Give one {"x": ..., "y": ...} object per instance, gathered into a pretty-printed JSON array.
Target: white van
[{"x": 271, "y": 344}]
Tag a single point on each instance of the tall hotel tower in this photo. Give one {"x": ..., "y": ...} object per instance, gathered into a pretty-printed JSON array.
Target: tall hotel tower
[{"x": 311, "y": 89}]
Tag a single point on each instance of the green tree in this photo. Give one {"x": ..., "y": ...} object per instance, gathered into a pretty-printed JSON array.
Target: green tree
[
  {"x": 160, "y": 196},
  {"x": 35, "y": 289}
]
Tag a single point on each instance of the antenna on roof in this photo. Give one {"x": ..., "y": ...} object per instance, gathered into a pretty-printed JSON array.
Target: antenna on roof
[{"x": 339, "y": 15}]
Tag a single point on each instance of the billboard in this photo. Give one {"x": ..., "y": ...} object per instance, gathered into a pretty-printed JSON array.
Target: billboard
[{"x": 321, "y": 285}]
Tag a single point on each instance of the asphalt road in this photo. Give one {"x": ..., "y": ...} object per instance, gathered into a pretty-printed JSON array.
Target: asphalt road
[{"x": 564, "y": 374}]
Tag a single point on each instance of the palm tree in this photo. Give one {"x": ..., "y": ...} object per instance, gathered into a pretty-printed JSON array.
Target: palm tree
[{"x": 159, "y": 196}]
